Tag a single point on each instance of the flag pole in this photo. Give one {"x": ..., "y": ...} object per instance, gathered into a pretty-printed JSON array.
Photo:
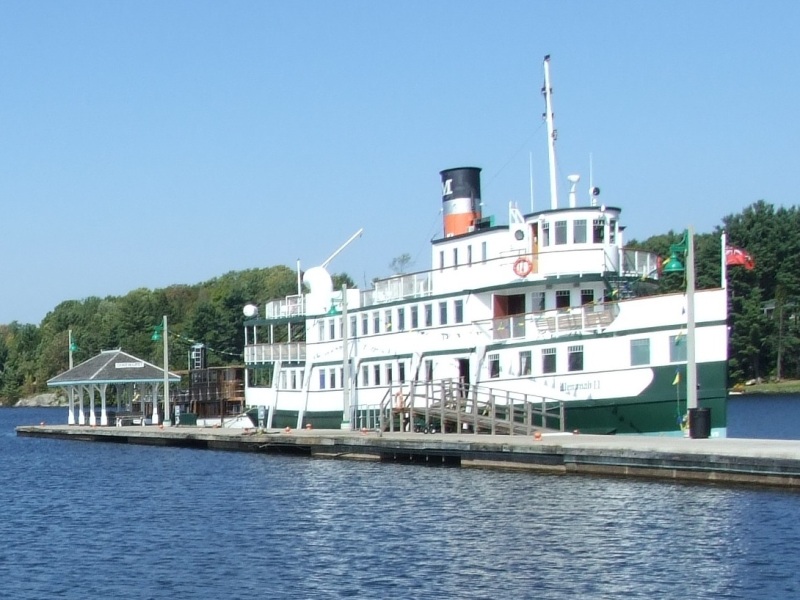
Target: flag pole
[{"x": 724, "y": 243}]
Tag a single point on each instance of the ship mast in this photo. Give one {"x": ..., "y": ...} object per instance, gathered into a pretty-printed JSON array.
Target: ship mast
[{"x": 551, "y": 133}]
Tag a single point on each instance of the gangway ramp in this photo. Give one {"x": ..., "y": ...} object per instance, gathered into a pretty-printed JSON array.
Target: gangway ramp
[{"x": 453, "y": 406}]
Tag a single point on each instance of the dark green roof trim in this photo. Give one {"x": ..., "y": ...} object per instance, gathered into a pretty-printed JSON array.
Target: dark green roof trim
[{"x": 275, "y": 321}]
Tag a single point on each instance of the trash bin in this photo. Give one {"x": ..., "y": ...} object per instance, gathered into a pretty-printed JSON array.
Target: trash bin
[{"x": 699, "y": 423}]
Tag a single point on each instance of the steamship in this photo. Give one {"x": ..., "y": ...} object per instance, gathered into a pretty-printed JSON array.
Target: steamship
[{"x": 550, "y": 306}]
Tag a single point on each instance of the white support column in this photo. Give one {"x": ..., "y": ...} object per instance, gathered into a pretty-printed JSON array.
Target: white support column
[
  {"x": 81, "y": 416},
  {"x": 103, "y": 415},
  {"x": 92, "y": 417},
  {"x": 154, "y": 388},
  {"x": 71, "y": 415}
]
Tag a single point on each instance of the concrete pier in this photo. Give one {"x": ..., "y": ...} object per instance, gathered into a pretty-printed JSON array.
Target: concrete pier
[{"x": 719, "y": 460}]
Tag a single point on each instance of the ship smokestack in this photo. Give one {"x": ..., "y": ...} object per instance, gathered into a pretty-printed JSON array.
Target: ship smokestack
[{"x": 461, "y": 200}]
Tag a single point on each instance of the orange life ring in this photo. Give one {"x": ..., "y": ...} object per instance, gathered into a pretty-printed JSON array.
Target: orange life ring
[{"x": 523, "y": 267}]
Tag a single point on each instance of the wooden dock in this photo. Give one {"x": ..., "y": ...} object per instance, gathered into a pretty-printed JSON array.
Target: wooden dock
[{"x": 719, "y": 460}]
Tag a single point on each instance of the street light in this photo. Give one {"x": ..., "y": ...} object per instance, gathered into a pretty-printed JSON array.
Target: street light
[
  {"x": 73, "y": 347},
  {"x": 159, "y": 332},
  {"x": 674, "y": 265}
]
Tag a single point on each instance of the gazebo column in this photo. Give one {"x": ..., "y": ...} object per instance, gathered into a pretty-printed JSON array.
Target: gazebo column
[
  {"x": 81, "y": 416},
  {"x": 155, "y": 403},
  {"x": 119, "y": 389},
  {"x": 71, "y": 415},
  {"x": 92, "y": 417},
  {"x": 103, "y": 415}
]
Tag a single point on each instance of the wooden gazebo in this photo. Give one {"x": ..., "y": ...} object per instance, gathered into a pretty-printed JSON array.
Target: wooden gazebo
[{"x": 135, "y": 383}]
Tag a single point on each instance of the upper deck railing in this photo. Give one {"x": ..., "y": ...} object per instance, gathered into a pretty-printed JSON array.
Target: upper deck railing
[
  {"x": 549, "y": 263},
  {"x": 550, "y": 323}
]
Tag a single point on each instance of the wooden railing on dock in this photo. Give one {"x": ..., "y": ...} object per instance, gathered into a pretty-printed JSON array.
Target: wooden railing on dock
[{"x": 452, "y": 406}]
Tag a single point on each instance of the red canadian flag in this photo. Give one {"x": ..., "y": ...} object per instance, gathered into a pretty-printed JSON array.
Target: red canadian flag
[{"x": 737, "y": 257}]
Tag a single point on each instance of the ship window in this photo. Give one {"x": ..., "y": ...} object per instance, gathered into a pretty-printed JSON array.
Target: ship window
[
  {"x": 294, "y": 379},
  {"x": 442, "y": 313},
  {"x": 561, "y": 233},
  {"x": 587, "y": 297},
  {"x": 640, "y": 352},
  {"x": 332, "y": 374},
  {"x": 414, "y": 317},
  {"x": 389, "y": 374},
  {"x": 579, "y": 231},
  {"x": 537, "y": 301},
  {"x": 612, "y": 231},
  {"x": 364, "y": 375},
  {"x": 387, "y": 320},
  {"x": 459, "y": 310},
  {"x": 376, "y": 375},
  {"x": 562, "y": 298},
  {"x": 401, "y": 372},
  {"x": 575, "y": 358},
  {"x": 322, "y": 379},
  {"x": 441, "y": 260},
  {"x": 321, "y": 328},
  {"x": 353, "y": 321},
  {"x": 376, "y": 322},
  {"x": 545, "y": 234},
  {"x": 494, "y": 366},
  {"x": 428, "y": 370},
  {"x": 598, "y": 231},
  {"x": 548, "y": 360},
  {"x": 455, "y": 258},
  {"x": 428, "y": 315},
  {"x": 364, "y": 324},
  {"x": 525, "y": 363},
  {"x": 484, "y": 252},
  {"x": 332, "y": 326},
  {"x": 283, "y": 380},
  {"x": 469, "y": 255},
  {"x": 677, "y": 348},
  {"x": 401, "y": 319}
]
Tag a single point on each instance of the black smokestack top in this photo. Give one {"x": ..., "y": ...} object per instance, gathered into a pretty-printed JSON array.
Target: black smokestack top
[{"x": 463, "y": 182}]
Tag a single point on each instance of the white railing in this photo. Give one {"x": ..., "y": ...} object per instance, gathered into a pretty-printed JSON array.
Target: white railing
[
  {"x": 592, "y": 317},
  {"x": 264, "y": 353},
  {"x": 291, "y": 306},
  {"x": 415, "y": 285},
  {"x": 640, "y": 263}
]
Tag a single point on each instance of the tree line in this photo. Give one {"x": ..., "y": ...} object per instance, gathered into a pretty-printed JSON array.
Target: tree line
[{"x": 764, "y": 336}]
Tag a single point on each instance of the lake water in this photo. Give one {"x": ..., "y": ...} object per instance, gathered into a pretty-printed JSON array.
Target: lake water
[{"x": 92, "y": 520}]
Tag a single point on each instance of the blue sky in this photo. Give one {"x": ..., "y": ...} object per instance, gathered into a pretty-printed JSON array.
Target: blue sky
[{"x": 149, "y": 143}]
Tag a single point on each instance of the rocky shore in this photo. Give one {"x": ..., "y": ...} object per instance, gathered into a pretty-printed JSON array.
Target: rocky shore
[{"x": 42, "y": 400}]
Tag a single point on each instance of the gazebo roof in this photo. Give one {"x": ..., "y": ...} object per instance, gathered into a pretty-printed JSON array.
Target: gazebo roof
[{"x": 112, "y": 366}]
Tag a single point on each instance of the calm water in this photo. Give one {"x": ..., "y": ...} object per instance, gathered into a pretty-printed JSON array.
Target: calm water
[{"x": 83, "y": 520}]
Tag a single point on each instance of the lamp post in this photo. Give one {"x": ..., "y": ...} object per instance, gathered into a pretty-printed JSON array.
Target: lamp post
[
  {"x": 160, "y": 332},
  {"x": 167, "y": 414},
  {"x": 674, "y": 265},
  {"x": 71, "y": 416}
]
